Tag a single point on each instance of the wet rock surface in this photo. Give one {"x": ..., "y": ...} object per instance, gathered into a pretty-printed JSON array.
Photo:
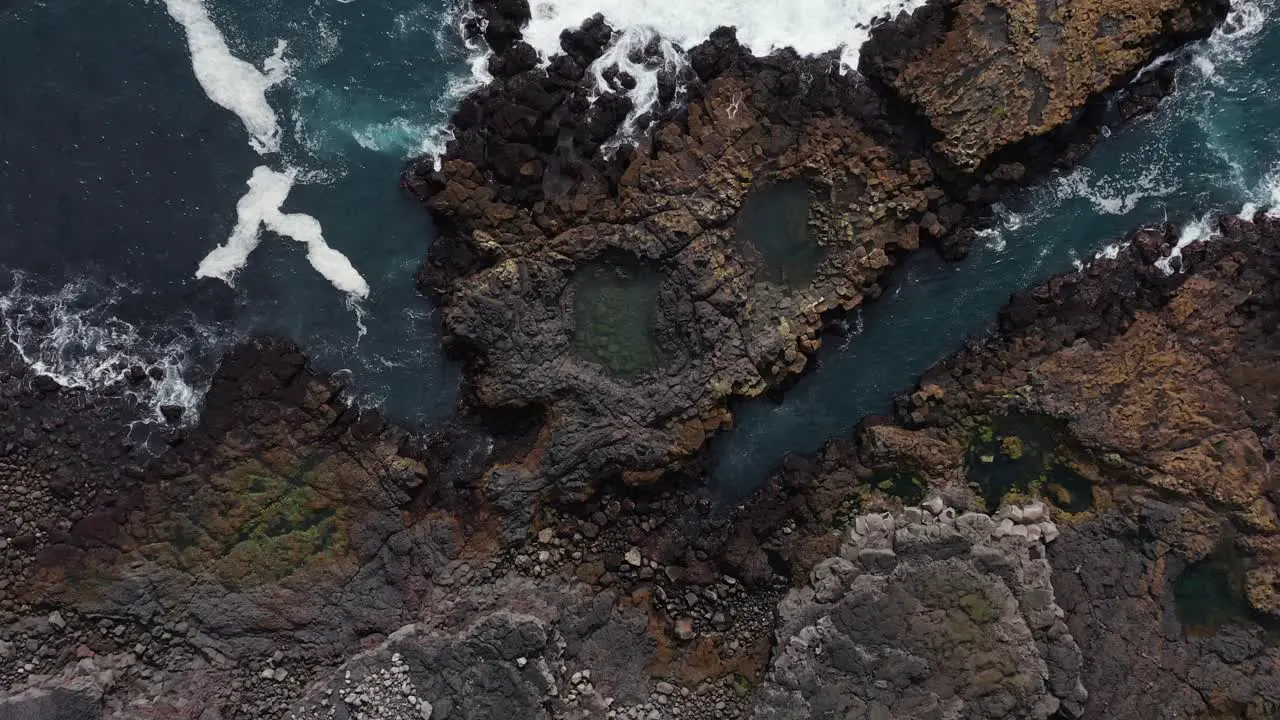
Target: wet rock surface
[
  {"x": 531, "y": 192},
  {"x": 1142, "y": 407},
  {"x": 190, "y": 596},
  {"x": 1122, "y": 609}
]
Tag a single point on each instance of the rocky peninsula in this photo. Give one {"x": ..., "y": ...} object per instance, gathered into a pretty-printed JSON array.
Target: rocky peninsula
[
  {"x": 620, "y": 297},
  {"x": 1072, "y": 517}
]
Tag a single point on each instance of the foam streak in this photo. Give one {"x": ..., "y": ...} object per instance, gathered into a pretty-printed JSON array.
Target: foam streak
[
  {"x": 259, "y": 208},
  {"x": 229, "y": 81}
]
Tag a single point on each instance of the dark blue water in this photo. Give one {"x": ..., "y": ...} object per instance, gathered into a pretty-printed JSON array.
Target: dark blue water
[{"x": 119, "y": 173}]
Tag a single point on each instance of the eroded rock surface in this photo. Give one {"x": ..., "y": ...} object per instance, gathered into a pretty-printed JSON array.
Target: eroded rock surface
[
  {"x": 926, "y": 615},
  {"x": 290, "y": 538},
  {"x": 521, "y": 649},
  {"x": 988, "y": 74},
  {"x": 534, "y": 208},
  {"x": 278, "y": 513},
  {"x": 1144, "y": 407}
]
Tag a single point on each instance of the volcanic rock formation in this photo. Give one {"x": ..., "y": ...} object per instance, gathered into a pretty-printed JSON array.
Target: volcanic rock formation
[
  {"x": 769, "y": 194},
  {"x": 927, "y": 613},
  {"x": 990, "y": 74},
  {"x": 292, "y": 555}
]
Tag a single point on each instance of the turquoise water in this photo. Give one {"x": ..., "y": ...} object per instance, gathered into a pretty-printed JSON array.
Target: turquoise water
[{"x": 1213, "y": 146}]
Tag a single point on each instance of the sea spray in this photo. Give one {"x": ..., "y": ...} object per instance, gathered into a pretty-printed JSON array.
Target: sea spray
[{"x": 74, "y": 335}]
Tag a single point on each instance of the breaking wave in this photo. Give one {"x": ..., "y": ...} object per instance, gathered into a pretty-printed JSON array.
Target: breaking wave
[
  {"x": 810, "y": 27},
  {"x": 229, "y": 81},
  {"x": 74, "y": 335}
]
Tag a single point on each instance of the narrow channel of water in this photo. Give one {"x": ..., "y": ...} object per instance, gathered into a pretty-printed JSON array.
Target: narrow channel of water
[{"x": 1213, "y": 146}]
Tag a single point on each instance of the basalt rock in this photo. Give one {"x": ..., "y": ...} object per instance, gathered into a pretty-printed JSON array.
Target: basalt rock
[
  {"x": 285, "y": 516},
  {"x": 520, "y": 650},
  {"x": 925, "y": 615},
  {"x": 763, "y": 196},
  {"x": 1117, "y": 578},
  {"x": 990, "y": 74}
]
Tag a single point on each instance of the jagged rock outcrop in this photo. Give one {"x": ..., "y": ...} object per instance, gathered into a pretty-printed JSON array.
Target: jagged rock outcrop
[
  {"x": 926, "y": 614},
  {"x": 673, "y": 594},
  {"x": 279, "y": 513},
  {"x": 1145, "y": 659},
  {"x": 989, "y": 74},
  {"x": 57, "y": 704},
  {"x": 285, "y": 518},
  {"x": 623, "y": 299},
  {"x": 288, "y": 531}
]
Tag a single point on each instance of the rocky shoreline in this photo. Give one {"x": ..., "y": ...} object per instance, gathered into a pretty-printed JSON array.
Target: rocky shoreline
[
  {"x": 1074, "y": 516},
  {"x": 623, "y": 299},
  {"x": 219, "y": 604}
]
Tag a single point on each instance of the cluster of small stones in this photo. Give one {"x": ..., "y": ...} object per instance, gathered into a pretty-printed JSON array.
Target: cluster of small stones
[
  {"x": 65, "y": 647},
  {"x": 20, "y": 535},
  {"x": 265, "y": 688},
  {"x": 709, "y": 701},
  {"x": 387, "y": 694},
  {"x": 600, "y": 551},
  {"x": 40, "y": 495},
  {"x": 42, "y": 644},
  {"x": 461, "y": 573}
]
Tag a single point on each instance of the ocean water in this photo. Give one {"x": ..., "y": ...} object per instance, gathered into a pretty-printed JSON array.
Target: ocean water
[{"x": 179, "y": 174}]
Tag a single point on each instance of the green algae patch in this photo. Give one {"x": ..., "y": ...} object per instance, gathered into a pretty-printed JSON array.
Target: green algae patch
[
  {"x": 616, "y": 317},
  {"x": 259, "y": 521},
  {"x": 1024, "y": 456},
  {"x": 773, "y": 233},
  {"x": 906, "y": 485}
]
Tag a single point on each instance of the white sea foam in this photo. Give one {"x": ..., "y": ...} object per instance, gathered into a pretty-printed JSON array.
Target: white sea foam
[
  {"x": 390, "y": 136},
  {"x": 229, "y": 81},
  {"x": 260, "y": 208},
  {"x": 457, "y": 13},
  {"x": 810, "y": 27},
  {"x": 1115, "y": 196},
  {"x": 73, "y": 335},
  {"x": 1231, "y": 41},
  {"x": 1110, "y": 252},
  {"x": 993, "y": 239},
  {"x": 1266, "y": 196},
  {"x": 1244, "y": 20},
  {"x": 242, "y": 88},
  {"x": 1202, "y": 228}
]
